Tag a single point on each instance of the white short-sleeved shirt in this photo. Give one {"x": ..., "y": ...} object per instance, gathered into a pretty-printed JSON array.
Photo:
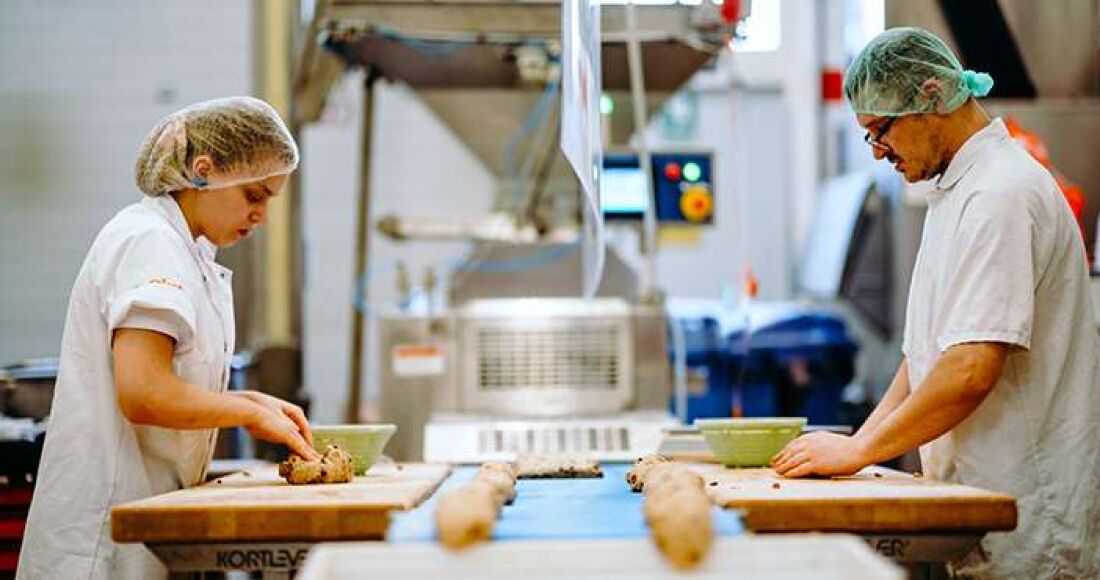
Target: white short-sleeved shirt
[
  {"x": 146, "y": 271},
  {"x": 1001, "y": 260}
]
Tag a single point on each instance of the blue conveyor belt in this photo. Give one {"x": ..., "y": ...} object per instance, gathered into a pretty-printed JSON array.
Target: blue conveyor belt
[{"x": 555, "y": 509}]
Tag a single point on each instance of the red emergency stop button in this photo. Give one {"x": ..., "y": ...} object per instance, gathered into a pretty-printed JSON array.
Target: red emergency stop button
[{"x": 672, "y": 171}]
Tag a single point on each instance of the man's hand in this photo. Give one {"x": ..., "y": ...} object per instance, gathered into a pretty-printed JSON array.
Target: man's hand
[
  {"x": 821, "y": 453},
  {"x": 278, "y": 421}
]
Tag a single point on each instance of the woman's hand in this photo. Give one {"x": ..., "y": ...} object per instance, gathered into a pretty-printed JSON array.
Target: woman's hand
[
  {"x": 278, "y": 421},
  {"x": 821, "y": 453},
  {"x": 149, "y": 393}
]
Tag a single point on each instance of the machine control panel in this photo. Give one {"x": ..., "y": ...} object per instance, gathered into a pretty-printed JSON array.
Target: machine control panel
[{"x": 683, "y": 187}]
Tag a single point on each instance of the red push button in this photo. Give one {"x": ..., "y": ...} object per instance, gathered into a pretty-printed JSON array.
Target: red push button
[{"x": 672, "y": 171}]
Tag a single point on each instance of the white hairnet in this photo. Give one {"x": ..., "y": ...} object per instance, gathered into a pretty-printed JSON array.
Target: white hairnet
[
  {"x": 243, "y": 136},
  {"x": 908, "y": 70}
]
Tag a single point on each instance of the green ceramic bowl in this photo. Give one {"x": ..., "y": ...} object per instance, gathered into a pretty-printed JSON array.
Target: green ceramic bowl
[
  {"x": 750, "y": 441},
  {"x": 363, "y": 442}
]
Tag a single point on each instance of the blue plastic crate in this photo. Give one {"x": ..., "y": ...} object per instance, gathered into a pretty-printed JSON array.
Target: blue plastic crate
[
  {"x": 798, "y": 364},
  {"x": 709, "y": 381}
]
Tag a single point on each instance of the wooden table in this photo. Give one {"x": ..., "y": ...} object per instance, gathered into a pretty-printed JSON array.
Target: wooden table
[
  {"x": 910, "y": 519},
  {"x": 257, "y": 522},
  {"x": 254, "y": 520}
]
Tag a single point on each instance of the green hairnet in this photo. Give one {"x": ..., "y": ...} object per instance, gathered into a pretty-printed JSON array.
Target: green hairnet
[
  {"x": 910, "y": 70},
  {"x": 244, "y": 137}
]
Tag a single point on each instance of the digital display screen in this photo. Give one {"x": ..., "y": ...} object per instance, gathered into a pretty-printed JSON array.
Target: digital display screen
[{"x": 623, "y": 191}]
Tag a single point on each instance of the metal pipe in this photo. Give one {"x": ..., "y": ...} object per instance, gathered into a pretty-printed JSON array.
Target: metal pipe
[
  {"x": 648, "y": 279},
  {"x": 310, "y": 47},
  {"x": 276, "y": 34},
  {"x": 679, "y": 369},
  {"x": 362, "y": 249}
]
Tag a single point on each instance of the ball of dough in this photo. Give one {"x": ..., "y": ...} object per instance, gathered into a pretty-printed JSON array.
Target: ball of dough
[
  {"x": 685, "y": 537},
  {"x": 335, "y": 466},
  {"x": 678, "y": 478},
  {"x": 464, "y": 517},
  {"x": 501, "y": 481},
  {"x": 509, "y": 468},
  {"x": 498, "y": 496}
]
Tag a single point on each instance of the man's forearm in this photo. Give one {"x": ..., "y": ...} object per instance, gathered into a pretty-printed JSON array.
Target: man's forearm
[
  {"x": 957, "y": 385},
  {"x": 895, "y": 395}
]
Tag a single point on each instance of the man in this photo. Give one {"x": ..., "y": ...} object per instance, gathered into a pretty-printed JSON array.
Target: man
[{"x": 998, "y": 384}]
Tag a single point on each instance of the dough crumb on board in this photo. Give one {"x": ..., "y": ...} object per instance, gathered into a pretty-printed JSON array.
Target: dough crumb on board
[
  {"x": 335, "y": 466},
  {"x": 466, "y": 515},
  {"x": 556, "y": 467}
]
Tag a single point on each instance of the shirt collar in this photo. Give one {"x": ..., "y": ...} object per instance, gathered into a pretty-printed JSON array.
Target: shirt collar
[
  {"x": 166, "y": 206},
  {"x": 967, "y": 154}
]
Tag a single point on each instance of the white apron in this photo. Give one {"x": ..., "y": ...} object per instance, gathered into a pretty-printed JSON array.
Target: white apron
[
  {"x": 1001, "y": 260},
  {"x": 144, "y": 270}
]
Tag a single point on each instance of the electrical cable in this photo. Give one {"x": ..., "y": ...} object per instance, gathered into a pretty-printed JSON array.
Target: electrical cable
[
  {"x": 520, "y": 264},
  {"x": 549, "y": 156},
  {"x": 537, "y": 115}
]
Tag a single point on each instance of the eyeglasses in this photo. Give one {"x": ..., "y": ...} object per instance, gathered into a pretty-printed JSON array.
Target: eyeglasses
[{"x": 876, "y": 141}]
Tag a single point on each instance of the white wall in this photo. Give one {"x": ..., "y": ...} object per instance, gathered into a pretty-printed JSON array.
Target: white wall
[
  {"x": 747, "y": 131},
  {"x": 329, "y": 185},
  {"x": 758, "y": 113},
  {"x": 80, "y": 84},
  {"x": 802, "y": 89}
]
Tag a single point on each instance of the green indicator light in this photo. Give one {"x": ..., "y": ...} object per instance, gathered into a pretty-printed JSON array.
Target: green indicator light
[
  {"x": 692, "y": 171},
  {"x": 607, "y": 106}
]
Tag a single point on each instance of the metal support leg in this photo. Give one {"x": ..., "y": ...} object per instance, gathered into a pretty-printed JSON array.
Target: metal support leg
[{"x": 362, "y": 256}]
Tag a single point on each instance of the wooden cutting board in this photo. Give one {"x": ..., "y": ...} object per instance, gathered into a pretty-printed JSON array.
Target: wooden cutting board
[
  {"x": 874, "y": 500},
  {"x": 260, "y": 506}
]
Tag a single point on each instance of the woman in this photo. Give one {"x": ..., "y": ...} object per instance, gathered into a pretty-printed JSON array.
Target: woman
[{"x": 149, "y": 333}]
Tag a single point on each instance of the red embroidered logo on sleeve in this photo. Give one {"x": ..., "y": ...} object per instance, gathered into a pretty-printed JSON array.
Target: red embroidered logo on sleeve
[{"x": 167, "y": 282}]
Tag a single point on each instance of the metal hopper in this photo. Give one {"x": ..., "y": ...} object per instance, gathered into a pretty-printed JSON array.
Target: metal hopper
[{"x": 482, "y": 66}]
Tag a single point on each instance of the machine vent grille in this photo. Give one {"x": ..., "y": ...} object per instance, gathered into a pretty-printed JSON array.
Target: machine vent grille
[
  {"x": 583, "y": 357},
  {"x": 554, "y": 440}
]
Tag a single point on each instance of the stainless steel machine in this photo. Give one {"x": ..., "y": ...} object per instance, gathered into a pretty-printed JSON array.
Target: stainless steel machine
[
  {"x": 516, "y": 363},
  {"x": 523, "y": 375}
]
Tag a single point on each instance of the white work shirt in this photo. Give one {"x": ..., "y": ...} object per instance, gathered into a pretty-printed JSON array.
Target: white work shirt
[
  {"x": 1001, "y": 260},
  {"x": 145, "y": 271}
]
